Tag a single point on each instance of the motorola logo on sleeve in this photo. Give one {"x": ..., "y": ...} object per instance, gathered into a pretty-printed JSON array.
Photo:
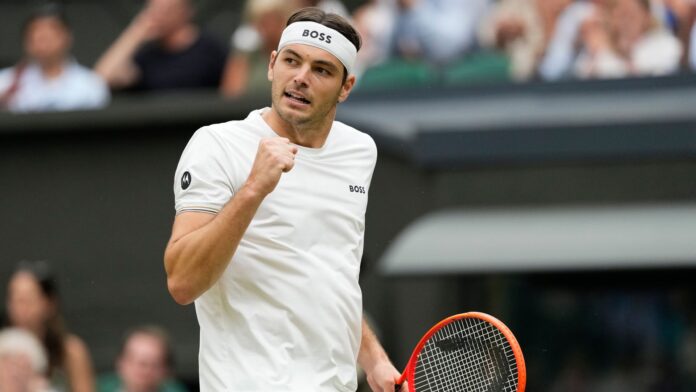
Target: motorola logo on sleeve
[{"x": 185, "y": 180}]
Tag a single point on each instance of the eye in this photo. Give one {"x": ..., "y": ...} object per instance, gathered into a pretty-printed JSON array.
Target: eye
[
  {"x": 323, "y": 71},
  {"x": 290, "y": 61}
]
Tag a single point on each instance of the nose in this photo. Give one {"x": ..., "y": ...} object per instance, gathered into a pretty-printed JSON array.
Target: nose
[{"x": 302, "y": 75}]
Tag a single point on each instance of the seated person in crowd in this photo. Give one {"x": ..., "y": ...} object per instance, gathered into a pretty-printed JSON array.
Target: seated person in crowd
[
  {"x": 48, "y": 78},
  {"x": 622, "y": 38},
  {"x": 162, "y": 48},
  {"x": 145, "y": 364},
  {"x": 23, "y": 362},
  {"x": 329, "y": 6},
  {"x": 33, "y": 305},
  {"x": 252, "y": 44},
  {"x": 521, "y": 29},
  {"x": 563, "y": 47},
  {"x": 437, "y": 31},
  {"x": 374, "y": 20}
]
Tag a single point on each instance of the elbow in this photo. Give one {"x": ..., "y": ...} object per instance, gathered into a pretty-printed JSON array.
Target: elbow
[
  {"x": 178, "y": 286},
  {"x": 181, "y": 292}
]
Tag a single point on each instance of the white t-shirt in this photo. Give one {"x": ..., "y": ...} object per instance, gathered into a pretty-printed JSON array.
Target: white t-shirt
[
  {"x": 77, "y": 88},
  {"x": 286, "y": 315}
]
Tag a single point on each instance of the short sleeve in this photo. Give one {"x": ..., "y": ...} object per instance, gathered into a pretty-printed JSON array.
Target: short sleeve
[{"x": 201, "y": 182}]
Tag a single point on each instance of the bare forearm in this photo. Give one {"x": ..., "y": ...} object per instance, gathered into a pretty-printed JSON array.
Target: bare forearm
[
  {"x": 116, "y": 66},
  {"x": 196, "y": 260},
  {"x": 371, "y": 350},
  {"x": 201, "y": 247},
  {"x": 382, "y": 376}
]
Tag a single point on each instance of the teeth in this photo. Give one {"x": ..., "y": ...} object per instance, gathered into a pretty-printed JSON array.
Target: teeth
[{"x": 297, "y": 97}]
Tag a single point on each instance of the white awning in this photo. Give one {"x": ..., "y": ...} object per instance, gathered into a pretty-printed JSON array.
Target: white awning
[{"x": 549, "y": 239}]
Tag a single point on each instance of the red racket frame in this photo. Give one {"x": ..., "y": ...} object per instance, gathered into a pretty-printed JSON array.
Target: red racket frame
[{"x": 408, "y": 374}]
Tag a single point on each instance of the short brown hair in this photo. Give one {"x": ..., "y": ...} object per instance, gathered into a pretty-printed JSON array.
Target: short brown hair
[
  {"x": 156, "y": 332},
  {"x": 46, "y": 11}
]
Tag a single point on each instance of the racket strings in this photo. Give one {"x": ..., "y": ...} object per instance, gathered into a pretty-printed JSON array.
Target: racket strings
[{"x": 466, "y": 355}]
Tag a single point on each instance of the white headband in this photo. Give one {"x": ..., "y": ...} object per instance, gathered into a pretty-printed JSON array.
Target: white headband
[{"x": 322, "y": 37}]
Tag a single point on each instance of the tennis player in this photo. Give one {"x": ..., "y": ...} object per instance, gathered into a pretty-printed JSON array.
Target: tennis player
[{"x": 269, "y": 229}]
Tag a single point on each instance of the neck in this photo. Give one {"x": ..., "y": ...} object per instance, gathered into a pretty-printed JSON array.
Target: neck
[
  {"x": 306, "y": 134},
  {"x": 52, "y": 69},
  {"x": 180, "y": 38},
  {"x": 37, "y": 330}
]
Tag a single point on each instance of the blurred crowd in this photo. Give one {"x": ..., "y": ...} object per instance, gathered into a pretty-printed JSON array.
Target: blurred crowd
[
  {"x": 39, "y": 354},
  {"x": 576, "y": 339},
  {"x": 404, "y": 41},
  {"x": 595, "y": 334}
]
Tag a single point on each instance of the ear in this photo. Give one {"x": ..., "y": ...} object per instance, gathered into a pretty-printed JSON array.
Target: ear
[
  {"x": 271, "y": 63},
  {"x": 346, "y": 88}
]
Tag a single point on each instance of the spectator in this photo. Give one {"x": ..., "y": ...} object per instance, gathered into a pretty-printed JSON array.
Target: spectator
[
  {"x": 515, "y": 28},
  {"x": 48, "y": 78},
  {"x": 691, "y": 58},
  {"x": 678, "y": 16},
  {"x": 33, "y": 304},
  {"x": 328, "y": 6},
  {"x": 252, "y": 44},
  {"x": 624, "y": 39},
  {"x": 22, "y": 362},
  {"x": 163, "y": 49},
  {"x": 374, "y": 20},
  {"x": 562, "y": 48},
  {"x": 145, "y": 364},
  {"x": 437, "y": 31},
  {"x": 598, "y": 56}
]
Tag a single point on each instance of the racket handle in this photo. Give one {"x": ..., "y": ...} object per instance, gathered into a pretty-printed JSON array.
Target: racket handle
[{"x": 399, "y": 386}]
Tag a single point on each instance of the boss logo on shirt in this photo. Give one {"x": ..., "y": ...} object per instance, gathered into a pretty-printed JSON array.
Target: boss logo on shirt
[
  {"x": 185, "y": 180},
  {"x": 356, "y": 188},
  {"x": 315, "y": 34}
]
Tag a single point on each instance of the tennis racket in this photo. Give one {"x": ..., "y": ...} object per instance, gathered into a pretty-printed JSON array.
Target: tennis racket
[{"x": 466, "y": 352}]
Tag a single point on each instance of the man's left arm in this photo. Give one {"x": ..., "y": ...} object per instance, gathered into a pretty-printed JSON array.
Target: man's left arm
[{"x": 381, "y": 374}]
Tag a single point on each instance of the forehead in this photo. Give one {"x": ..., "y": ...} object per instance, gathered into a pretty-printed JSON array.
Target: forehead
[
  {"x": 142, "y": 337},
  {"x": 24, "y": 282},
  {"x": 167, "y": 4},
  {"x": 46, "y": 22},
  {"x": 312, "y": 54}
]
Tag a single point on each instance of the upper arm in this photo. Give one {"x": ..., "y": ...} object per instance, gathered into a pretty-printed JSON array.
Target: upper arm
[
  {"x": 78, "y": 365},
  {"x": 184, "y": 223},
  {"x": 187, "y": 222},
  {"x": 204, "y": 180}
]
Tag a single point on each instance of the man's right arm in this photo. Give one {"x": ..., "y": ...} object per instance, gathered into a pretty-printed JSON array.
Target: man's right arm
[
  {"x": 202, "y": 244},
  {"x": 117, "y": 66}
]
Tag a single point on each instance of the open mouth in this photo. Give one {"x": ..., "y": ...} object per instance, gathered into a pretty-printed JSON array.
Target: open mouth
[{"x": 297, "y": 98}]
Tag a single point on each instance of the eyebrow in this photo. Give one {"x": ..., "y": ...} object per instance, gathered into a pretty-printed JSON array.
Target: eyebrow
[{"x": 325, "y": 63}]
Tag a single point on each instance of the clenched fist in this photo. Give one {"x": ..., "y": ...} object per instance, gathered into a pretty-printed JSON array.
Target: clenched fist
[{"x": 275, "y": 156}]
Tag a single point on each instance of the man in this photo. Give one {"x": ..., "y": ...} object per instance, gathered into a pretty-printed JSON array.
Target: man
[
  {"x": 144, "y": 364},
  {"x": 48, "y": 78},
  {"x": 270, "y": 225},
  {"x": 163, "y": 49},
  {"x": 447, "y": 40}
]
